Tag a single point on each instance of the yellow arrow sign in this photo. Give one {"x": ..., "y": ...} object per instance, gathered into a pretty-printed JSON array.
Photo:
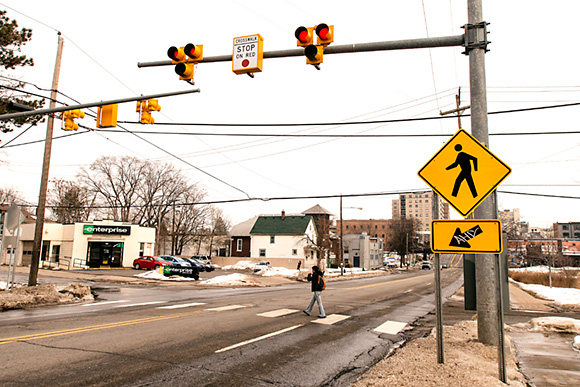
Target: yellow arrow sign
[
  {"x": 464, "y": 172},
  {"x": 473, "y": 236}
]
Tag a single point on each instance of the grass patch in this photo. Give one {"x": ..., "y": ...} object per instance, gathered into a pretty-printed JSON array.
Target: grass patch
[{"x": 561, "y": 278}]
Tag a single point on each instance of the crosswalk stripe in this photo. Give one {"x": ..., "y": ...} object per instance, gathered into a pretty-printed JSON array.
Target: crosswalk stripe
[
  {"x": 227, "y": 307},
  {"x": 278, "y": 313},
  {"x": 104, "y": 303},
  {"x": 259, "y": 338},
  {"x": 331, "y": 319},
  {"x": 391, "y": 327},
  {"x": 178, "y": 306},
  {"x": 140, "y": 304}
]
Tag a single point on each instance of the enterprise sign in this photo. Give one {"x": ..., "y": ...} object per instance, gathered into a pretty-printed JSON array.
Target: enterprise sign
[{"x": 106, "y": 230}]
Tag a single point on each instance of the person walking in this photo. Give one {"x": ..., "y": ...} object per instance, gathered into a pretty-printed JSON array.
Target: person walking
[{"x": 316, "y": 286}]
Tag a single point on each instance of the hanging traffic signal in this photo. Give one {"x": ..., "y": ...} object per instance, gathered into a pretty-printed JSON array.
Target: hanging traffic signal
[
  {"x": 107, "y": 116},
  {"x": 185, "y": 58},
  {"x": 324, "y": 34},
  {"x": 69, "y": 117},
  {"x": 304, "y": 36},
  {"x": 144, "y": 108},
  {"x": 314, "y": 55}
]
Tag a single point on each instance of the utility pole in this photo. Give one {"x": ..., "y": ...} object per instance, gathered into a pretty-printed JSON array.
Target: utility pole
[
  {"x": 341, "y": 248},
  {"x": 38, "y": 231},
  {"x": 487, "y": 265}
]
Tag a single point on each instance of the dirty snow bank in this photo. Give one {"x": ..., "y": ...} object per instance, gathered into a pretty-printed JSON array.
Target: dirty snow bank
[{"x": 26, "y": 296}]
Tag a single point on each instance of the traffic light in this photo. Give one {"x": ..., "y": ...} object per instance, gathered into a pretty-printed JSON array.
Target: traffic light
[
  {"x": 69, "y": 117},
  {"x": 185, "y": 58},
  {"x": 144, "y": 108},
  {"x": 107, "y": 116},
  {"x": 314, "y": 53},
  {"x": 304, "y": 36},
  {"x": 324, "y": 34}
]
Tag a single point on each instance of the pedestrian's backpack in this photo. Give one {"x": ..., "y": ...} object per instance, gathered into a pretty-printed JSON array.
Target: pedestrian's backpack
[{"x": 321, "y": 282}]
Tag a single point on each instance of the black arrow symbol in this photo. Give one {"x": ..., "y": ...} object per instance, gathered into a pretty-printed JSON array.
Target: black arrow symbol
[{"x": 460, "y": 239}]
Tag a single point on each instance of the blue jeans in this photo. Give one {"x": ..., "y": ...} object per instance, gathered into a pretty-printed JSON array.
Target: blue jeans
[{"x": 316, "y": 298}]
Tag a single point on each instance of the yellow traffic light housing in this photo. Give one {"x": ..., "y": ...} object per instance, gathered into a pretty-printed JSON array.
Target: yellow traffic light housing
[
  {"x": 185, "y": 58},
  {"x": 69, "y": 116},
  {"x": 324, "y": 34},
  {"x": 107, "y": 116},
  {"x": 144, "y": 108},
  {"x": 304, "y": 36},
  {"x": 314, "y": 54}
]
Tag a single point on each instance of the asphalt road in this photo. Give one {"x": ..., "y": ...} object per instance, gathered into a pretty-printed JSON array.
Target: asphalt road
[{"x": 179, "y": 336}]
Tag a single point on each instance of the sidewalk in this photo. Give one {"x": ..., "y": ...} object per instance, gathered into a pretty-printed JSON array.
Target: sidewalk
[{"x": 546, "y": 358}]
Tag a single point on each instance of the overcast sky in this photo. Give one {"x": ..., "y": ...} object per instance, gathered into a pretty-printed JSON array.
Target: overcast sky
[{"x": 532, "y": 62}]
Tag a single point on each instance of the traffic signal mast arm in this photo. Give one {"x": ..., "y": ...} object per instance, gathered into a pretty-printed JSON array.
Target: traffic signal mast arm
[
  {"x": 94, "y": 104},
  {"x": 445, "y": 41}
]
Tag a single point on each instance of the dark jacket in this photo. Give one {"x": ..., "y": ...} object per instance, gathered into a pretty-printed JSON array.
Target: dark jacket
[{"x": 313, "y": 278}]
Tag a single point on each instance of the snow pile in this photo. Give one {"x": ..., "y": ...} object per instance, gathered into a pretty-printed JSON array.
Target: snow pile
[
  {"x": 235, "y": 279},
  {"x": 576, "y": 342},
  {"x": 552, "y": 324},
  {"x": 27, "y": 296},
  {"x": 279, "y": 271},
  {"x": 561, "y": 296},
  {"x": 158, "y": 276},
  {"x": 241, "y": 265}
]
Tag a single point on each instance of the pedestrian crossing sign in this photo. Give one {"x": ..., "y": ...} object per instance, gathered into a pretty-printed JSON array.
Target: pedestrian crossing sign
[
  {"x": 466, "y": 236},
  {"x": 464, "y": 172}
]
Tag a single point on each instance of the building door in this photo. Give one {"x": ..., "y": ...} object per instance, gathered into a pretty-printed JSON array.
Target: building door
[
  {"x": 356, "y": 261},
  {"x": 105, "y": 254}
]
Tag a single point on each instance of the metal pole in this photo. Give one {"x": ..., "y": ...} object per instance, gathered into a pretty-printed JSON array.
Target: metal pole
[
  {"x": 341, "y": 246},
  {"x": 37, "y": 245},
  {"x": 93, "y": 104},
  {"x": 485, "y": 273},
  {"x": 444, "y": 41},
  {"x": 438, "y": 302},
  {"x": 500, "y": 327}
]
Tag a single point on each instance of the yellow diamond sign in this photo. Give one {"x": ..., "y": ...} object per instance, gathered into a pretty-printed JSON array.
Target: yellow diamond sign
[
  {"x": 472, "y": 236},
  {"x": 464, "y": 172}
]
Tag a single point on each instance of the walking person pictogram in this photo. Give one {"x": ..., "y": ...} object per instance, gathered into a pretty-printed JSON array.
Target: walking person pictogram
[{"x": 463, "y": 161}]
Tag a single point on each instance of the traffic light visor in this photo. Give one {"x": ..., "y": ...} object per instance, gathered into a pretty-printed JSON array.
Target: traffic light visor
[
  {"x": 302, "y": 34},
  {"x": 176, "y": 54},
  {"x": 322, "y": 31},
  {"x": 184, "y": 70},
  {"x": 313, "y": 53},
  {"x": 194, "y": 51}
]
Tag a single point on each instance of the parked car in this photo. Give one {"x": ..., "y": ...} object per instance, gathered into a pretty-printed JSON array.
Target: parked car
[
  {"x": 207, "y": 266},
  {"x": 444, "y": 266},
  {"x": 199, "y": 264},
  {"x": 262, "y": 265},
  {"x": 150, "y": 263},
  {"x": 176, "y": 261},
  {"x": 203, "y": 258},
  {"x": 426, "y": 265}
]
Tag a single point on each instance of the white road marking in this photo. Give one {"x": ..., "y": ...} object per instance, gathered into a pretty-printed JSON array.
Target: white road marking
[
  {"x": 141, "y": 304},
  {"x": 259, "y": 338},
  {"x": 181, "y": 305},
  {"x": 331, "y": 319},
  {"x": 391, "y": 327},
  {"x": 228, "y": 307},
  {"x": 278, "y": 313},
  {"x": 105, "y": 303}
]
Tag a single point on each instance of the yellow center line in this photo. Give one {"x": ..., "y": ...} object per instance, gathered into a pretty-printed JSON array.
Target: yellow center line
[
  {"x": 96, "y": 327},
  {"x": 390, "y": 282}
]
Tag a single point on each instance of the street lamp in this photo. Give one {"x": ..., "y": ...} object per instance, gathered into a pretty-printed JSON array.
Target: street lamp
[{"x": 341, "y": 233}]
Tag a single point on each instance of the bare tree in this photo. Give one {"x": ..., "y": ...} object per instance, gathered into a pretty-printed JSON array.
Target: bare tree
[
  {"x": 69, "y": 202},
  {"x": 219, "y": 227},
  {"x": 402, "y": 237},
  {"x": 9, "y": 195},
  {"x": 189, "y": 217}
]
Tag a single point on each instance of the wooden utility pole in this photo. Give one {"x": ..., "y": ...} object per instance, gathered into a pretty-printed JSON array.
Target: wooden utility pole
[{"x": 38, "y": 231}]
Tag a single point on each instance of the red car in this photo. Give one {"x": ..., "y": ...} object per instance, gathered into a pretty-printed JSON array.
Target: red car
[{"x": 149, "y": 263}]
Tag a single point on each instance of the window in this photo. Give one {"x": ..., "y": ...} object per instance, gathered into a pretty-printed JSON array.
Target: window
[
  {"x": 294, "y": 252},
  {"x": 272, "y": 239},
  {"x": 239, "y": 245},
  {"x": 262, "y": 252}
]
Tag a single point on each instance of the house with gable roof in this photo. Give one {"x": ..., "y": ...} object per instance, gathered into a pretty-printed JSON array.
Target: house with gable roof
[{"x": 284, "y": 240}]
